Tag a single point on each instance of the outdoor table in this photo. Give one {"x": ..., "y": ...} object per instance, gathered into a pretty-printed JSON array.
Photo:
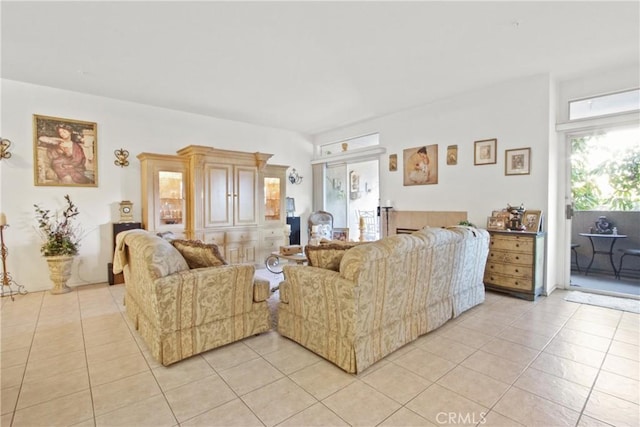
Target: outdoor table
[{"x": 602, "y": 237}]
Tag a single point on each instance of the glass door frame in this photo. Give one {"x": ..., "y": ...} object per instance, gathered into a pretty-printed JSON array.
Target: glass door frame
[{"x": 566, "y": 132}]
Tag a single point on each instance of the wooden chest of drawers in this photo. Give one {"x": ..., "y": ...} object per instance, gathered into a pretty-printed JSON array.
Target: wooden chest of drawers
[{"x": 515, "y": 263}]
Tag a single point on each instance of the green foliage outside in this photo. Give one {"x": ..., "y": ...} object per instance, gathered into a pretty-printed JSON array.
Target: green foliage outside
[{"x": 621, "y": 172}]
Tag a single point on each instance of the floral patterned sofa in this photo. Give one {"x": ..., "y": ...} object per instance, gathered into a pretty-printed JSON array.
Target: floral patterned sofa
[
  {"x": 383, "y": 295},
  {"x": 181, "y": 311}
]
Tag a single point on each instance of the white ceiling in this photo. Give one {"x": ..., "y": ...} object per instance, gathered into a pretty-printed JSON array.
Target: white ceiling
[{"x": 307, "y": 66}]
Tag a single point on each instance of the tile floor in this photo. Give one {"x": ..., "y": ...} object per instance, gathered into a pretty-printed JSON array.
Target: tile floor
[{"x": 73, "y": 360}]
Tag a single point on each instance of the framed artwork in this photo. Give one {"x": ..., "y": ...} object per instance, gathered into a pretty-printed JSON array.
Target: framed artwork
[
  {"x": 452, "y": 155},
  {"x": 340, "y": 234},
  {"x": 503, "y": 214},
  {"x": 421, "y": 165},
  {"x": 485, "y": 152},
  {"x": 517, "y": 161},
  {"x": 495, "y": 223},
  {"x": 65, "y": 152},
  {"x": 532, "y": 220},
  {"x": 354, "y": 185},
  {"x": 393, "y": 162}
]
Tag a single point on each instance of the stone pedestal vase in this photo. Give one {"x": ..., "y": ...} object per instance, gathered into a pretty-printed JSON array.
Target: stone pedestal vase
[{"x": 60, "y": 272}]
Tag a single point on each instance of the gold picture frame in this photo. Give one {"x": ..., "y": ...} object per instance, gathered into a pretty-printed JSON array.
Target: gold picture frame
[
  {"x": 420, "y": 165},
  {"x": 452, "y": 155},
  {"x": 341, "y": 234},
  {"x": 65, "y": 152},
  {"x": 495, "y": 223},
  {"x": 532, "y": 219},
  {"x": 485, "y": 152},
  {"x": 393, "y": 162},
  {"x": 517, "y": 161}
]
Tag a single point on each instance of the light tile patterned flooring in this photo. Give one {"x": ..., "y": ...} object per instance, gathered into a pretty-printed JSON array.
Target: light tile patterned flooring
[{"x": 74, "y": 359}]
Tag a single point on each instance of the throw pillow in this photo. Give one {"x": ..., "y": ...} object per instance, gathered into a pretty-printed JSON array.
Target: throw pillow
[
  {"x": 198, "y": 254},
  {"x": 327, "y": 254}
]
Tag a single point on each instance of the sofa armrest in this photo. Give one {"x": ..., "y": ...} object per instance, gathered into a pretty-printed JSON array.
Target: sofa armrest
[
  {"x": 202, "y": 295},
  {"x": 261, "y": 290},
  {"x": 321, "y": 296}
]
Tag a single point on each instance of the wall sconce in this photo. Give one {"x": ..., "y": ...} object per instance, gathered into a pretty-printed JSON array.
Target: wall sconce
[
  {"x": 294, "y": 177},
  {"x": 4, "y": 148},
  {"x": 121, "y": 158}
]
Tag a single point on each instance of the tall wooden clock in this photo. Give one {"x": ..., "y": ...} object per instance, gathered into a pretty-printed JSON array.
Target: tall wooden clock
[{"x": 126, "y": 211}]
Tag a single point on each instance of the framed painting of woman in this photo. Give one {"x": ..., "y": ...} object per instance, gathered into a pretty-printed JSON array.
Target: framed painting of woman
[
  {"x": 421, "y": 165},
  {"x": 65, "y": 152}
]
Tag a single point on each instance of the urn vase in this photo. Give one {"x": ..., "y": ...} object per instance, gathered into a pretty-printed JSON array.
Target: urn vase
[{"x": 60, "y": 272}]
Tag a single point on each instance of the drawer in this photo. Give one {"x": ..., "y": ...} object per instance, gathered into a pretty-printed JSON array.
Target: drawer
[
  {"x": 519, "y": 258},
  {"x": 272, "y": 245},
  {"x": 511, "y": 243},
  {"x": 273, "y": 232},
  {"x": 523, "y": 272},
  {"x": 508, "y": 281},
  {"x": 241, "y": 236},
  {"x": 215, "y": 237}
]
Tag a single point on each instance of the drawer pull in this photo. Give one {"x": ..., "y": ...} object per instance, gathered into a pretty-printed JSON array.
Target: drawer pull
[
  {"x": 517, "y": 257},
  {"x": 517, "y": 271},
  {"x": 517, "y": 245}
]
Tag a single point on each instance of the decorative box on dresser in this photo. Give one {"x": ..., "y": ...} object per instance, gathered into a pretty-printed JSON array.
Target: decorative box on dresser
[{"x": 515, "y": 263}]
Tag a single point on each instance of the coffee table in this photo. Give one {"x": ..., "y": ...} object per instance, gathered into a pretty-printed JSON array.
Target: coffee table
[{"x": 273, "y": 261}]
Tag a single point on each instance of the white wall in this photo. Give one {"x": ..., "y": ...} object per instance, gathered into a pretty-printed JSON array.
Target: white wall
[
  {"x": 137, "y": 128},
  {"x": 516, "y": 112}
]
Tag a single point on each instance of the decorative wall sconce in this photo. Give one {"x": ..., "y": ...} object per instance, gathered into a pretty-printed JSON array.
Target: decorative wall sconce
[
  {"x": 121, "y": 158},
  {"x": 4, "y": 148},
  {"x": 294, "y": 177}
]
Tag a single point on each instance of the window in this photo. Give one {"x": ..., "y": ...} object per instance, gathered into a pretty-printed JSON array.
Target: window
[{"x": 620, "y": 102}]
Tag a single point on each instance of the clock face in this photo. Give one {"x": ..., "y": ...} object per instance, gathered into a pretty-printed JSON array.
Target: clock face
[{"x": 126, "y": 209}]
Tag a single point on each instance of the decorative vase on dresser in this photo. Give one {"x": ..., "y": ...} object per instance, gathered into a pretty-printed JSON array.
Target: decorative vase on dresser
[{"x": 515, "y": 263}]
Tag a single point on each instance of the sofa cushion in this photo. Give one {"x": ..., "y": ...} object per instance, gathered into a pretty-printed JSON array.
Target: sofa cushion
[
  {"x": 328, "y": 254},
  {"x": 198, "y": 254}
]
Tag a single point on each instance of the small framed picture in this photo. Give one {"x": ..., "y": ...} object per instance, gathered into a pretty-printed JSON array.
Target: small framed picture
[
  {"x": 532, "y": 220},
  {"x": 393, "y": 162},
  {"x": 340, "y": 234},
  {"x": 485, "y": 152},
  {"x": 495, "y": 223},
  {"x": 517, "y": 161},
  {"x": 452, "y": 155}
]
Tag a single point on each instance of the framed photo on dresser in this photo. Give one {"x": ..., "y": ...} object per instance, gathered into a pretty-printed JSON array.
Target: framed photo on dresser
[{"x": 532, "y": 220}]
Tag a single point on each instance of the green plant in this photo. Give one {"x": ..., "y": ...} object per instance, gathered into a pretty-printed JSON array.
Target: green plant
[
  {"x": 59, "y": 234},
  {"x": 465, "y": 222}
]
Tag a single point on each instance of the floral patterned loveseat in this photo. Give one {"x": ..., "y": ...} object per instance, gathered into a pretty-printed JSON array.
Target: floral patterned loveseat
[
  {"x": 180, "y": 312},
  {"x": 384, "y": 294}
]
